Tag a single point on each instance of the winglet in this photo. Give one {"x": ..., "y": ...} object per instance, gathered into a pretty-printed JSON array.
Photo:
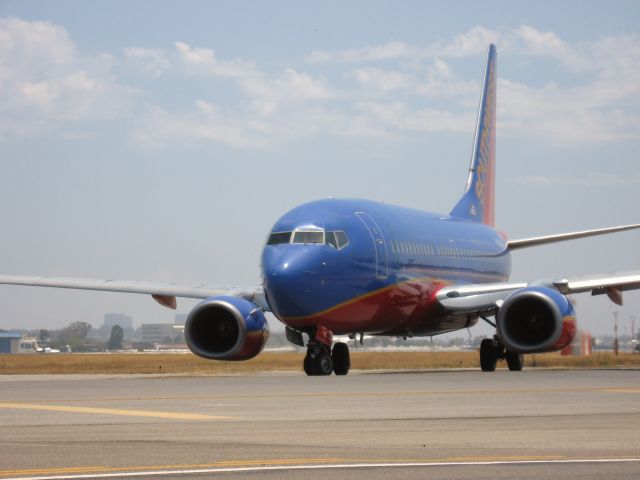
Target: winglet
[{"x": 477, "y": 203}]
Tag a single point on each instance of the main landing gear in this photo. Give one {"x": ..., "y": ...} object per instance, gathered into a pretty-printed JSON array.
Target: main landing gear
[
  {"x": 321, "y": 359},
  {"x": 492, "y": 350}
]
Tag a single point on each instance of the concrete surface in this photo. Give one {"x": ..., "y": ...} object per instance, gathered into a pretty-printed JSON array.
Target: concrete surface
[{"x": 456, "y": 424}]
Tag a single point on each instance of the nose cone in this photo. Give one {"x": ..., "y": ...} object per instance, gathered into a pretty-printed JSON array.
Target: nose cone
[{"x": 292, "y": 277}]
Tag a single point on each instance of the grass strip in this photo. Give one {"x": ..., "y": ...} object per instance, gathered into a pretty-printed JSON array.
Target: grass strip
[{"x": 172, "y": 363}]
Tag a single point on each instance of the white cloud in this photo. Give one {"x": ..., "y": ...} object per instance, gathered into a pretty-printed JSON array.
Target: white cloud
[
  {"x": 391, "y": 50},
  {"x": 590, "y": 179},
  {"x": 45, "y": 82},
  {"x": 151, "y": 61},
  {"x": 401, "y": 118},
  {"x": 381, "y": 81},
  {"x": 204, "y": 123},
  {"x": 602, "y": 108},
  {"x": 471, "y": 43},
  {"x": 203, "y": 61},
  {"x": 266, "y": 95}
]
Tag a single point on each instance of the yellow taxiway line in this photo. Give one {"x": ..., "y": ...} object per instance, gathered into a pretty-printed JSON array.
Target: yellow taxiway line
[
  {"x": 220, "y": 464},
  {"x": 237, "y": 466},
  {"x": 114, "y": 411}
]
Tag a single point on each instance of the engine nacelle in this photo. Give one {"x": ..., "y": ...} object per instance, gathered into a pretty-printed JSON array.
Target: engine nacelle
[
  {"x": 226, "y": 328},
  {"x": 536, "y": 319}
]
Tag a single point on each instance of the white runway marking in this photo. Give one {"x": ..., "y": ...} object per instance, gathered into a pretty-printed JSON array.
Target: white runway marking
[{"x": 334, "y": 466}]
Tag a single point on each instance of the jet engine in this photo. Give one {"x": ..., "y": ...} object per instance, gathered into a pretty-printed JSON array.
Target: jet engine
[
  {"x": 536, "y": 319},
  {"x": 226, "y": 328}
]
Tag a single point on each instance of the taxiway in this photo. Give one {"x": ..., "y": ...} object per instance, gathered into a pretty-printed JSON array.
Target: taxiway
[{"x": 453, "y": 424}]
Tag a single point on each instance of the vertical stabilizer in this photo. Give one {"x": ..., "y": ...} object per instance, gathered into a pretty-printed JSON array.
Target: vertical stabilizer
[{"x": 477, "y": 203}]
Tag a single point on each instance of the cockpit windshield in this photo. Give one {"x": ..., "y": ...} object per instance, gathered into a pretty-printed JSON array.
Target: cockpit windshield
[
  {"x": 304, "y": 236},
  {"x": 336, "y": 239}
]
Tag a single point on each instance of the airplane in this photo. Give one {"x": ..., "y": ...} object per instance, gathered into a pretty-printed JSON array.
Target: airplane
[{"x": 349, "y": 267}]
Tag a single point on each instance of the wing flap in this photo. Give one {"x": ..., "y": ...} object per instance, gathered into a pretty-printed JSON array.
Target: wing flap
[
  {"x": 487, "y": 298},
  {"x": 612, "y": 286}
]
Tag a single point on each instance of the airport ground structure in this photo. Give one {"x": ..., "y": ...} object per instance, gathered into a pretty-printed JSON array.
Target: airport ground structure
[{"x": 9, "y": 342}]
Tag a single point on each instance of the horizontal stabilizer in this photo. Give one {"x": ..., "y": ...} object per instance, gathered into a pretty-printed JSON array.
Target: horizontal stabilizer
[{"x": 534, "y": 241}]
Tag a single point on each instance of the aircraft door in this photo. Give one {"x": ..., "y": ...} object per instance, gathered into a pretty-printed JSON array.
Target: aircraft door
[{"x": 382, "y": 255}]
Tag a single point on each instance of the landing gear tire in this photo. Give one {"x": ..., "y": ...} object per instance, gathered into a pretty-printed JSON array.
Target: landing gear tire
[
  {"x": 318, "y": 360},
  {"x": 514, "y": 361},
  {"x": 341, "y": 358},
  {"x": 324, "y": 364},
  {"x": 488, "y": 355},
  {"x": 309, "y": 365}
]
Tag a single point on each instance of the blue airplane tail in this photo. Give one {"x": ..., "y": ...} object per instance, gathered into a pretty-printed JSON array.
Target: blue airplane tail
[{"x": 477, "y": 203}]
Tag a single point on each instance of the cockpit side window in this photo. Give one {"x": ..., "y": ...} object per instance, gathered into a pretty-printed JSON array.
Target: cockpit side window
[
  {"x": 277, "y": 238},
  {"x": 337, "y": 240},
  {"x": 330, "y": 239},
  {"x": 341, "y": 239}
]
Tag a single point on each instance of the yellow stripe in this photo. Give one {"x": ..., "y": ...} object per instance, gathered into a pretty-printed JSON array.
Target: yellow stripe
[
  {"x": 225, "y": 463},
  {"x": 113, "y": 411},
  {"x": 298, "y": 461}
]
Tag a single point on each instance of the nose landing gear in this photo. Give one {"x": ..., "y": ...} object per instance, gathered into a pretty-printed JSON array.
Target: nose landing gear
[
  {"x": 321, "y": 359},
  {"x": 318, "y": 360}
]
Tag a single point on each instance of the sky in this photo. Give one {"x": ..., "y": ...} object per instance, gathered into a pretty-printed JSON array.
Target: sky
[{"x": 161, "y": 140}]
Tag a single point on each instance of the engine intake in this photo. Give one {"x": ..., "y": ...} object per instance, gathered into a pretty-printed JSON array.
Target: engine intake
[
  {"x": 536, "y": 319},
  {"x": 226, "y": 328}
]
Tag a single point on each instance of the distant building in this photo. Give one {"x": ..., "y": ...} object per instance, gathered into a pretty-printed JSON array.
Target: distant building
[
  {"x": 180, "y": 319},
  {"x": 9, "y": 342},
  {"x": 29, "y": 345},
  {"x": 112, "y": 319},
  {"x": 157, "y": 332}
]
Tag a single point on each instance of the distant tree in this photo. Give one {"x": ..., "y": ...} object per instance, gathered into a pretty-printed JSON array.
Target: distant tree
[
  {"x": 44, "y": 335},
  {"x": 117, "y": 336},
  {"x": 75, "y": 333}
]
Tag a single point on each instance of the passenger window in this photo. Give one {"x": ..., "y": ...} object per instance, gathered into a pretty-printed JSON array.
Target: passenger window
[{"x": 279, "y": 237}]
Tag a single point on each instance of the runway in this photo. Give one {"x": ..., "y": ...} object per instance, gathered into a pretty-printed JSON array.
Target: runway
[{"x": 454, "y": 424}]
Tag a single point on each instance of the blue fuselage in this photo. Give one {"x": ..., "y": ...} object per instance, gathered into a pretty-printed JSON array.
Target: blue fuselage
[{"x": 382, "y": 273}]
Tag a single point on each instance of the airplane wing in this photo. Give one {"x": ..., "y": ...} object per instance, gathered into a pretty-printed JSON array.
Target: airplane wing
[
  {"x": 488, "y": 297},
  {"x": 163, "y": 293},
  {"x": 534, "y": 241}
]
